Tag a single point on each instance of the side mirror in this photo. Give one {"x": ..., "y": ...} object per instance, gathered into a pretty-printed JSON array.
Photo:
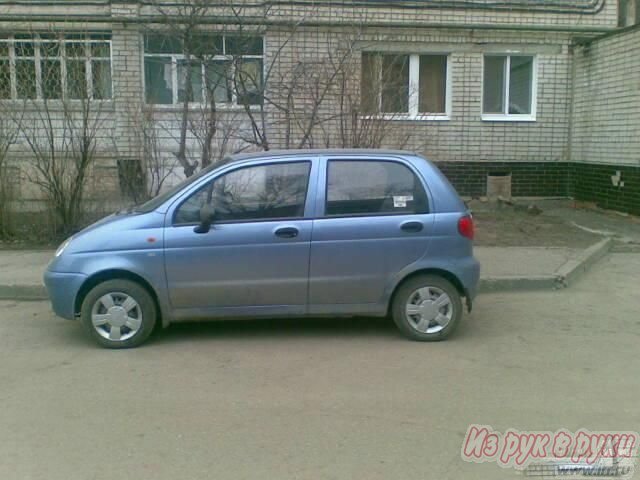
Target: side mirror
[{"x": 207, "y": 216}]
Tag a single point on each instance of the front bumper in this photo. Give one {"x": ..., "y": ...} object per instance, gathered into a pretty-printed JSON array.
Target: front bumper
[{"x": 62, "y": 289}]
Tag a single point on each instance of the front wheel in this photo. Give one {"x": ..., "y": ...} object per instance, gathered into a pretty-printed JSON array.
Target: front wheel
[
  {"x": 118, "y": 314},
  {"x": 427, "y": 308}
]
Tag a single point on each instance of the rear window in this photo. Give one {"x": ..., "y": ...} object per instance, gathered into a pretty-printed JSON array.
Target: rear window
[{"x": 373, "y": 187}]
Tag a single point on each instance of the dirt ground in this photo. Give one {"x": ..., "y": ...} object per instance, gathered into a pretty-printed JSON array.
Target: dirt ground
[
  {"x": 556, "y": 223},
  {"x": 514, "y": 227}
]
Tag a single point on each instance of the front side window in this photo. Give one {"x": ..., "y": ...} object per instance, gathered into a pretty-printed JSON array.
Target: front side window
[
  {"x": 509, "y": 87},
  {"x": 412, "y": 86},
  {"x": 373, "y": 188},
  {"x": 224, "y": 68},
  {"x": 53, "y": 66},
  {"x": 262, "y": 192}
]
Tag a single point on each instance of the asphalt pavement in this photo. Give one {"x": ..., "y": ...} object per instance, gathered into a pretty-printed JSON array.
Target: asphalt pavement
[{"x": 317, "y": 399}]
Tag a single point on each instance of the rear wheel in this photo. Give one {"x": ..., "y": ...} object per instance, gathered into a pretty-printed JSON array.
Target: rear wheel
[
  {"x": 427, "y": 308},
  {"x": 118, "y": 314}
]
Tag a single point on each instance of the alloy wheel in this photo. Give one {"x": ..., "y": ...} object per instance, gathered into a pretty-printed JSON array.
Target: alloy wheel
[
  {"x": 116, "y": 316},
  {"x": 429, "y": 309}
]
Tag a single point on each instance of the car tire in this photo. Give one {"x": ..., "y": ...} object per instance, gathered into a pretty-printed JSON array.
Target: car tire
[
  {"x": 119, "y": 314},
  {"x": 427, "y": 308}
]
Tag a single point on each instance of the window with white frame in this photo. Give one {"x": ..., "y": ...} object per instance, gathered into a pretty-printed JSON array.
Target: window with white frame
[
  {"x": 53, "y": 66},
  {"x": 509, "y": 87},
  {"x": 406, "y": 85},
  {"x": 223, "y": 68}
]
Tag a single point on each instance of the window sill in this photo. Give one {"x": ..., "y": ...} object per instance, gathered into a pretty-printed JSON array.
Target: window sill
[
  {"x": 407, "y": 117},
  {"x": 33, "y": 104},
  {"x": 508, "y": 118},
  {"x": 197, "y": 107}
]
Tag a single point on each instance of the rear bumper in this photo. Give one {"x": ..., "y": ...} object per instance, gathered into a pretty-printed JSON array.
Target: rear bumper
[
  {"x": 472, "y": 279},
  {"x": 62, "y": 289},
  {"x": 469, "y": 276}
]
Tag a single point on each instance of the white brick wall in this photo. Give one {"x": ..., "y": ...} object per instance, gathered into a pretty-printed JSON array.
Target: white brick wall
[
  {"x": 603, "y": 102},
  {"x": 127, "y": 86},
  {"x": 606, "y": 112},
  {"x": 604, "y": 15},
  {"x": 466, "y": 137}
]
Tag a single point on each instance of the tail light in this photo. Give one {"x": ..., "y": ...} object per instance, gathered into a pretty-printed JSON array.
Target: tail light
[{"x": 465, "y": 227}]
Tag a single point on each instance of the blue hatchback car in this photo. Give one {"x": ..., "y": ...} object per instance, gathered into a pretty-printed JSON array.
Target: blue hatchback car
[{"x": 277, "y": 234}]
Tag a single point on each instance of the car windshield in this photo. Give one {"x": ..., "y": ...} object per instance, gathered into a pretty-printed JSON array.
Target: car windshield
[{"x": 155, "y": 202}]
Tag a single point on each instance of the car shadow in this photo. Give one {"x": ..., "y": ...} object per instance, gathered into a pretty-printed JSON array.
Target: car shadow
[{"x": 277, "y": 328}]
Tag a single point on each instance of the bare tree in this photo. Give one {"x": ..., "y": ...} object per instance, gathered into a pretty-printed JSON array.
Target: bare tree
[
  {"x": 311, "y": 92},
  {"x": 367, "y": 119},
  {"x": 269, "y": 90},
  {"x": 319, "y": 101},
  {"x": 145, "y": 178},
  {"x": 8, "y": 179},
  {"x": 230, "y": 76},
  {"x": 63, "y": 117},
  {"x": 314, "y": 102},
  {"x": 9, "y": 129},
  {"x": 200, "y": 75}
]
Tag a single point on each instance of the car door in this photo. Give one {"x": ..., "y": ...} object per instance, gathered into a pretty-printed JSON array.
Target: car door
[
  {"x": 372, "y": 221},
  {"x": 254, "y": 260}
]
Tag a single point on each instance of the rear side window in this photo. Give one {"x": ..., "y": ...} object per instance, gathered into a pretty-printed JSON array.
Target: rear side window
[
  {"x": 373, "y": 188},
  {"x": 253, "y": 193}
]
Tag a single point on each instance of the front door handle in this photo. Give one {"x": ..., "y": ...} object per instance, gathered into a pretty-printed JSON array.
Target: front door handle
[
  {"x": 286, "y": 232},
  {"x": 411, "y": 227}
]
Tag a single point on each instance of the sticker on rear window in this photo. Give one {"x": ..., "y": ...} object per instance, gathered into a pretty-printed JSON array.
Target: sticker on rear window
[{"x": 400, "y": 201}]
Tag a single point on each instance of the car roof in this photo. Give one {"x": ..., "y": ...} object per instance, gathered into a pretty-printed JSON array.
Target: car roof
[{"x": 315, "y": 152}]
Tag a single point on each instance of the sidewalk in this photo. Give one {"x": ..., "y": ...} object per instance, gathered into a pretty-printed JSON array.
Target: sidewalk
[
  {"x": 21, "y": 274},
  {"x": 528, "y": 268},
  {"x": 503, "y": 268}
]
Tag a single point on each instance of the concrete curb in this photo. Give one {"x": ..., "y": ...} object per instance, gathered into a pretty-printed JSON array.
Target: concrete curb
[
  {"x": 573, "y": 269},
  {"x": 562, "y": 278},
  {"x": 23, "y": 292},
  {"x": 509, "y": 283}
]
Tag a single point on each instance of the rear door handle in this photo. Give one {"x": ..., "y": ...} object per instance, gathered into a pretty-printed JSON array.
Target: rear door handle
[
  {"x": 411, "y": 227},
  {"x": 286, "y": 232}
]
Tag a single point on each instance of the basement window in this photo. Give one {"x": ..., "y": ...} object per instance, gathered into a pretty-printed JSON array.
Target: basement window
[
  {"x": 509, "y": 88},
  {"x": 406, "y": 86}
]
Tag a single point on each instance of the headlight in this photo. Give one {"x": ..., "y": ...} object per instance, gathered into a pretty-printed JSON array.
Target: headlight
[{"x": 64, "y": 245}]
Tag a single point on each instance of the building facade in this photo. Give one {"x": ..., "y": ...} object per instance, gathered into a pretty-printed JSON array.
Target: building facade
[{"x": 546, "y": 91}]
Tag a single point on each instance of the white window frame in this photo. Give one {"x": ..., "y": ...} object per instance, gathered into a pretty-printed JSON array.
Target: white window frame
[
  {"x": 38, "y": 56},
  {"x": 177, "y": 57},
  {"x": 506, "y": 116},
  {"x": 414, "y": 91}
]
